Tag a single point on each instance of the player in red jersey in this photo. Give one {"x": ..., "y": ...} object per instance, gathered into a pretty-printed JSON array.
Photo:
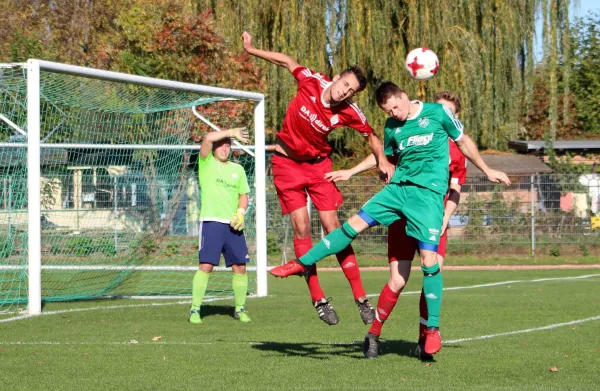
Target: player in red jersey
[
  {"x": 301, "y": 160},
  {"x": 402, "y": 248}
]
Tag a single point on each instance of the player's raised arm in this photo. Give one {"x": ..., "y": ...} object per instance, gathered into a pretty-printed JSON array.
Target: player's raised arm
[
  {"x": 273, "y": 57},
  {"x": 469, "y": 149}
]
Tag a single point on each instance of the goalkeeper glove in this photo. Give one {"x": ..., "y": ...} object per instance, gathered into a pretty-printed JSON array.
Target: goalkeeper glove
[{"x": 237, "y": 221}]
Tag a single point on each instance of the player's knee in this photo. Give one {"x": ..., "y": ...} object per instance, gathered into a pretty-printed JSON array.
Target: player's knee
[
  {"x": 239, "y": 269},
  {"x": 396, "y": 283},
  {"x": 428, "y": 258},
  {"x": 301, "y": 229},
  {"x": 206, "y": 267}
]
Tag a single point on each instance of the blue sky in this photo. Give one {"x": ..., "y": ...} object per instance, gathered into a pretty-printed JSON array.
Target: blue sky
[{"x": 584, "y": 7}]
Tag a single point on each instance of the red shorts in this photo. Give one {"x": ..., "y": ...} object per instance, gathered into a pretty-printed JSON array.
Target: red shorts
[
  {"x": 293, "y": 180},
  {"x": 402, "y": 247}
]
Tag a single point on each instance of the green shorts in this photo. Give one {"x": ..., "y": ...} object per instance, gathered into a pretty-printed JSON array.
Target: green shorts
[{"x": 422, "y": 208}]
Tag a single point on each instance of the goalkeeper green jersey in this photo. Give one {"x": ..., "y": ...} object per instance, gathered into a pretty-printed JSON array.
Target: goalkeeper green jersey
[
  {"x": 220, "y": 187},
  {"x": 421, "y": 144}
]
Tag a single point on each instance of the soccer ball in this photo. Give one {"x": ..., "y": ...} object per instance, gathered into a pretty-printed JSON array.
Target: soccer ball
[{"x": 422, "y": 63}]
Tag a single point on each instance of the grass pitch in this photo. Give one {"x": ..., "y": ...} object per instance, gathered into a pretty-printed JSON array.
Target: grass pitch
[{"x": 503, "y": 330}]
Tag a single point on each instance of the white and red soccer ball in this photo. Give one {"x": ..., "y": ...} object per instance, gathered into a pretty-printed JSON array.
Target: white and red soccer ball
[{"x": 422, "y": 64}]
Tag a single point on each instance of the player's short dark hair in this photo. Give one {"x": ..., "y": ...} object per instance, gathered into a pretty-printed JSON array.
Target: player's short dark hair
[
  {"x": 450, "y": 97},
  {"x": 359, "y": 74},
  {"x": 386, "y": 90},
  {"x": 217, "y": 144}
]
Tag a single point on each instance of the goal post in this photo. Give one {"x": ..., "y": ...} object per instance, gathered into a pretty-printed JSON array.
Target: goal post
[{"x": 111, "y": 183}]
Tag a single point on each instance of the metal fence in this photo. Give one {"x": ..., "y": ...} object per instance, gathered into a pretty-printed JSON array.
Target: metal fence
[{"x": 541, "y": 214}]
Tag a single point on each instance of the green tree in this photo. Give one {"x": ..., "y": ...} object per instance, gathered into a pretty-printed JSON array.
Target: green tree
[{"x": 586, "y": 78}]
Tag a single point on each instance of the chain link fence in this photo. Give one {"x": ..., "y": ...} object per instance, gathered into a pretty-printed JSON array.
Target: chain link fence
[{"x": 538, "y": 214}]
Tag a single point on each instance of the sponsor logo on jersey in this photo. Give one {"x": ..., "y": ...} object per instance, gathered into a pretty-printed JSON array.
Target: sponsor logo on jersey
[
  {"x": 416, "y": 141},
  {"x": 424, "y": 122},
  {"x": 314, "y": 100},
  {"x": 335, "y": 120},
  {"x": 221, "y": 182},
  {"x": 434, "y": 231},
  {"x": 315, "y": 122},
  {"x": 432, "y": 237},
  {"x": 398, "y": 130}
]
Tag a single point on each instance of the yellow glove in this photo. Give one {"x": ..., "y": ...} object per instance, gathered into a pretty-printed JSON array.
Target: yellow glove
[{"x": 237, "y": 221}]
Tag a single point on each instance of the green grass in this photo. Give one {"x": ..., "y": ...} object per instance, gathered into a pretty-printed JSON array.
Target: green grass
[{"x": 287, "y": 347}]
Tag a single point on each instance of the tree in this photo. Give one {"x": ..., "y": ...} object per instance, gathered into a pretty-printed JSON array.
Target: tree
[{"x": 586, "y": 78}]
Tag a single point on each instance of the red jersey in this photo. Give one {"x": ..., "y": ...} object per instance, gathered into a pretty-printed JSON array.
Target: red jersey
[
  {"x": 309, "y": 120},
  {"x": 458, "y": 165}
]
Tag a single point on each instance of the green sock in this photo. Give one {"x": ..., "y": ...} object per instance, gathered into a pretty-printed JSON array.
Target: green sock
[
  {"x": 239, "y": 283},
  {"x": 199, "y": 288},
  {"x": 433, "y": 285},
  {"x": 336, "y": 241}
]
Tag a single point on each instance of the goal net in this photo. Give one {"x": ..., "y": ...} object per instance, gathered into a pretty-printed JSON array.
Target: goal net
[{"x": 99, "y": 189}]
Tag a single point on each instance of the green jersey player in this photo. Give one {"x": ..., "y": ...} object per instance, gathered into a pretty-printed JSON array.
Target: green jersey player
[{"x": 418, "y": 132}]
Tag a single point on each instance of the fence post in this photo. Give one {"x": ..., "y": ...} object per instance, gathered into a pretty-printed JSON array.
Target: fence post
[{"x": 531, "y": 196}]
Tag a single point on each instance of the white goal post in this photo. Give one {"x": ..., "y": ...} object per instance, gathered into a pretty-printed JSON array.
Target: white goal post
[{"x": 35, "y": 145}]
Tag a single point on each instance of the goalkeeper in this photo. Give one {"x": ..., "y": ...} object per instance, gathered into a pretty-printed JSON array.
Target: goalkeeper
[{"x": 224, "y": 191}]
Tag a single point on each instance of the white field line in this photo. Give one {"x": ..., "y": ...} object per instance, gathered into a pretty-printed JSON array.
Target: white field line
[
  {"x": 492, "y": 284},
  {"x": 21, "y": 317},
  {"x": 162, "y": 343},
  {"x": 110, "y": 307},
  {"x": 549, "y": 327}
]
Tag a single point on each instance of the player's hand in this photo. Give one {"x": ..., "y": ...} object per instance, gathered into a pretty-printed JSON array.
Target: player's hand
[
  {"x": 237, "y": 220},
  {"x": 444, "y": 226},
  {"x": 247, "y": 41},
  {"x": 386, "y": 171},
  {"x": 340, "y": 175},
  {"x": 498, "y": 177},
  {"x": 239, "y": 134}
]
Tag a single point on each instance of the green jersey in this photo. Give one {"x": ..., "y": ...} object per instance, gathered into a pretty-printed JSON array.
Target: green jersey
[
  {"x": 220, "y": 185},
  {"x": 421, "y": 144}
]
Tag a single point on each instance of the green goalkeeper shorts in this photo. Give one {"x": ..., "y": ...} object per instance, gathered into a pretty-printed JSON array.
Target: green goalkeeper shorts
[{"x": 422, "y": 208}]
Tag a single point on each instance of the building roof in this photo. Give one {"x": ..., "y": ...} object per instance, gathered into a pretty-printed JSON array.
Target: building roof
[
  {"x": 558, "y": 145},
  {"x": 511, "y": 165}
]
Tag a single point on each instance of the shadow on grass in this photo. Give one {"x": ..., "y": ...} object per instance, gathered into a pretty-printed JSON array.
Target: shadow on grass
[
  {"x": 212, "y": 310},
  {"x": 324, "y": 350}
]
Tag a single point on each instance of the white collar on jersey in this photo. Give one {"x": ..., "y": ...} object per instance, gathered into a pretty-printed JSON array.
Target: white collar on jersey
[
  {"x": 323, "y": 92},
  {"x": 415, "y": 115}
]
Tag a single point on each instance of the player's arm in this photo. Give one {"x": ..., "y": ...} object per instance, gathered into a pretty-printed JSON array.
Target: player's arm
[
  {"x": 237, "y": 220},
  {"x": 469, "y": 149},
  {"x": 386, "y": 168},
  {"x": 451, "y": 204},
  {"x": 212, "y": 137},
  {"x": 276, "y": 58},
  {"x": 454, "y": 128},
  {"x": 343, "y": 175}
]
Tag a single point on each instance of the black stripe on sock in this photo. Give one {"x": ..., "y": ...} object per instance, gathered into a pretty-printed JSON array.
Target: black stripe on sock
[
  {"x": 432, "y": 274},
  {"x": 346, "y": 233}
]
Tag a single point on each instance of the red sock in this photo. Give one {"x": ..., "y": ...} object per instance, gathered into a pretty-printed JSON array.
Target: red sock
[
  {"x": 301, "y": 247},
  {"x": 423, "y": 317},
  {"x": 387, "y": 300},
  {"x": 347, "y": 261}
]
